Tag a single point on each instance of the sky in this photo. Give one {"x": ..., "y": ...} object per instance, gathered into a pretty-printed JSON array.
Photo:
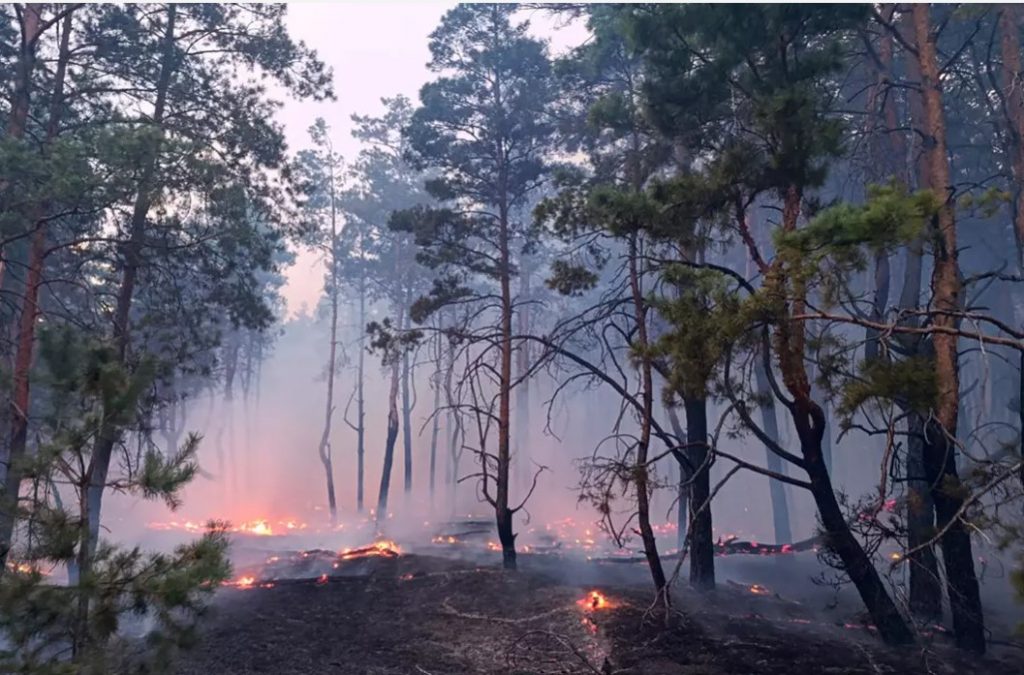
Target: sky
[{"x": 376, "y": 49}]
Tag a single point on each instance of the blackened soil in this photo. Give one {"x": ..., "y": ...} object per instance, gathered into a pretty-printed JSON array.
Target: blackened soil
[{"x": 420, "y": 614}]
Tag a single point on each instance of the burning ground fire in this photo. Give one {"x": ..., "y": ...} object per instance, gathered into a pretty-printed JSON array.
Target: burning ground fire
[
  {"x": 260, "y": 528},
  {"x": 294, "y": 565}
]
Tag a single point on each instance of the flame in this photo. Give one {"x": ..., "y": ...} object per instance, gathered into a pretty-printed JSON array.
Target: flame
[
  {"x": 595, "y": 600},
  {"x": 758, "y": 589},
  {"x": 242, "y": 582},
  {"x": 26, "y": 568},
  {"x": 445, "y": 540},
  {"x": 258, "y": 527},
  {"x": 382, "y": 548}
]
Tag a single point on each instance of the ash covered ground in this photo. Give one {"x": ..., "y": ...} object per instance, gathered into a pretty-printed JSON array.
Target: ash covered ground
[{"x": 389, "y": 609}]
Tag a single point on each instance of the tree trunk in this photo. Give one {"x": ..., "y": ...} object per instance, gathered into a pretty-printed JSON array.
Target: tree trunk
[
  {"x": 809, "y": 420},
  {"x": 454, "y": 427},
  {"x": 523, "y": 383},
  {"x": 640, "y": 475},
  {"x": 435, "y": 426},
  {"x": 770, "y": 424},
  {"x": 883, "y": 166},
  {"x": 360, "y": 402},
  {"x": 683, "y": 493},
  {"x": 940, "y": 447},
  {"x": 11, "y": 471},
  {"x": 1013, "y": 100},
  {"x": 389, "y": 445},
  {"x": 406, "y": 423},
  {"x": 503, "y": 513},
  {"x": 31, "y": 27},
  {"x": 702, "y": 547},
  {"x": 325, "y": 439},
  {"x": 925, "y": 583},
  {"x": 838, "y": 537}
]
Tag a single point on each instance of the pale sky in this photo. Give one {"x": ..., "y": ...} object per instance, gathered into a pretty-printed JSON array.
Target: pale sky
[{"x": 376, "y": 49}]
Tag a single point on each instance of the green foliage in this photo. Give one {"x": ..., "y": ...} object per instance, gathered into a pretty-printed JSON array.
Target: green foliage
[
  {"x": 88, "y": 387},
  {"x": 891, "y": 217},
  {"x": 390, "y": 342},
  {"x": 569, "y": 279},
  {"x": 705, "y": 317},
  {"x": 910, "y": 382},
  {"x": 169, "y": 592}
]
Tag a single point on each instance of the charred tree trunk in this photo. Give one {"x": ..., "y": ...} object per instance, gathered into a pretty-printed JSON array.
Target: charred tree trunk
[
  {"x": 925, "y": 585},
  {"x": 838, "y": 537},
  {"x": 389, "y": 445},
  {"x": 503, "y": 513},
  {"x": 11, "y": 471},
  {"x": 940, "y": 446},
  {"x": 702, "y": 546}
]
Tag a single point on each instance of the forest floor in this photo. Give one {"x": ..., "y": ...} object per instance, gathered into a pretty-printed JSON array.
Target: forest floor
[{"x": 423, "y": 614}]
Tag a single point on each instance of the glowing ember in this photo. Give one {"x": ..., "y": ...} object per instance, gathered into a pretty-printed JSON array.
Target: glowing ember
[
  {"x": 595, "y": 600},
  {"x": 896, "y": 557},
  {"x": 758, "y": 589},
  {"x": 445, "y": 540},
  {"x": 322, "y": 579}
]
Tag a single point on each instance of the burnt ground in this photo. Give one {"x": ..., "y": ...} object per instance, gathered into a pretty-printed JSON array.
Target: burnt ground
[{"x": 422, "y": 614}]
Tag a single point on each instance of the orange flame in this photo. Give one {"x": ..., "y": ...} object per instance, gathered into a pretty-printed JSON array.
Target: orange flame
[
  {"x": 383, "y": 548},
  {"x": 242, "y": 582},
  {"x": 595, "y": 600}
]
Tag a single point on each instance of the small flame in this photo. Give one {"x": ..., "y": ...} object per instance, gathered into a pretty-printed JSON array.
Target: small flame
[
  {"x": 595, "y": 600},
  {"x": 758, "y": 589}
]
